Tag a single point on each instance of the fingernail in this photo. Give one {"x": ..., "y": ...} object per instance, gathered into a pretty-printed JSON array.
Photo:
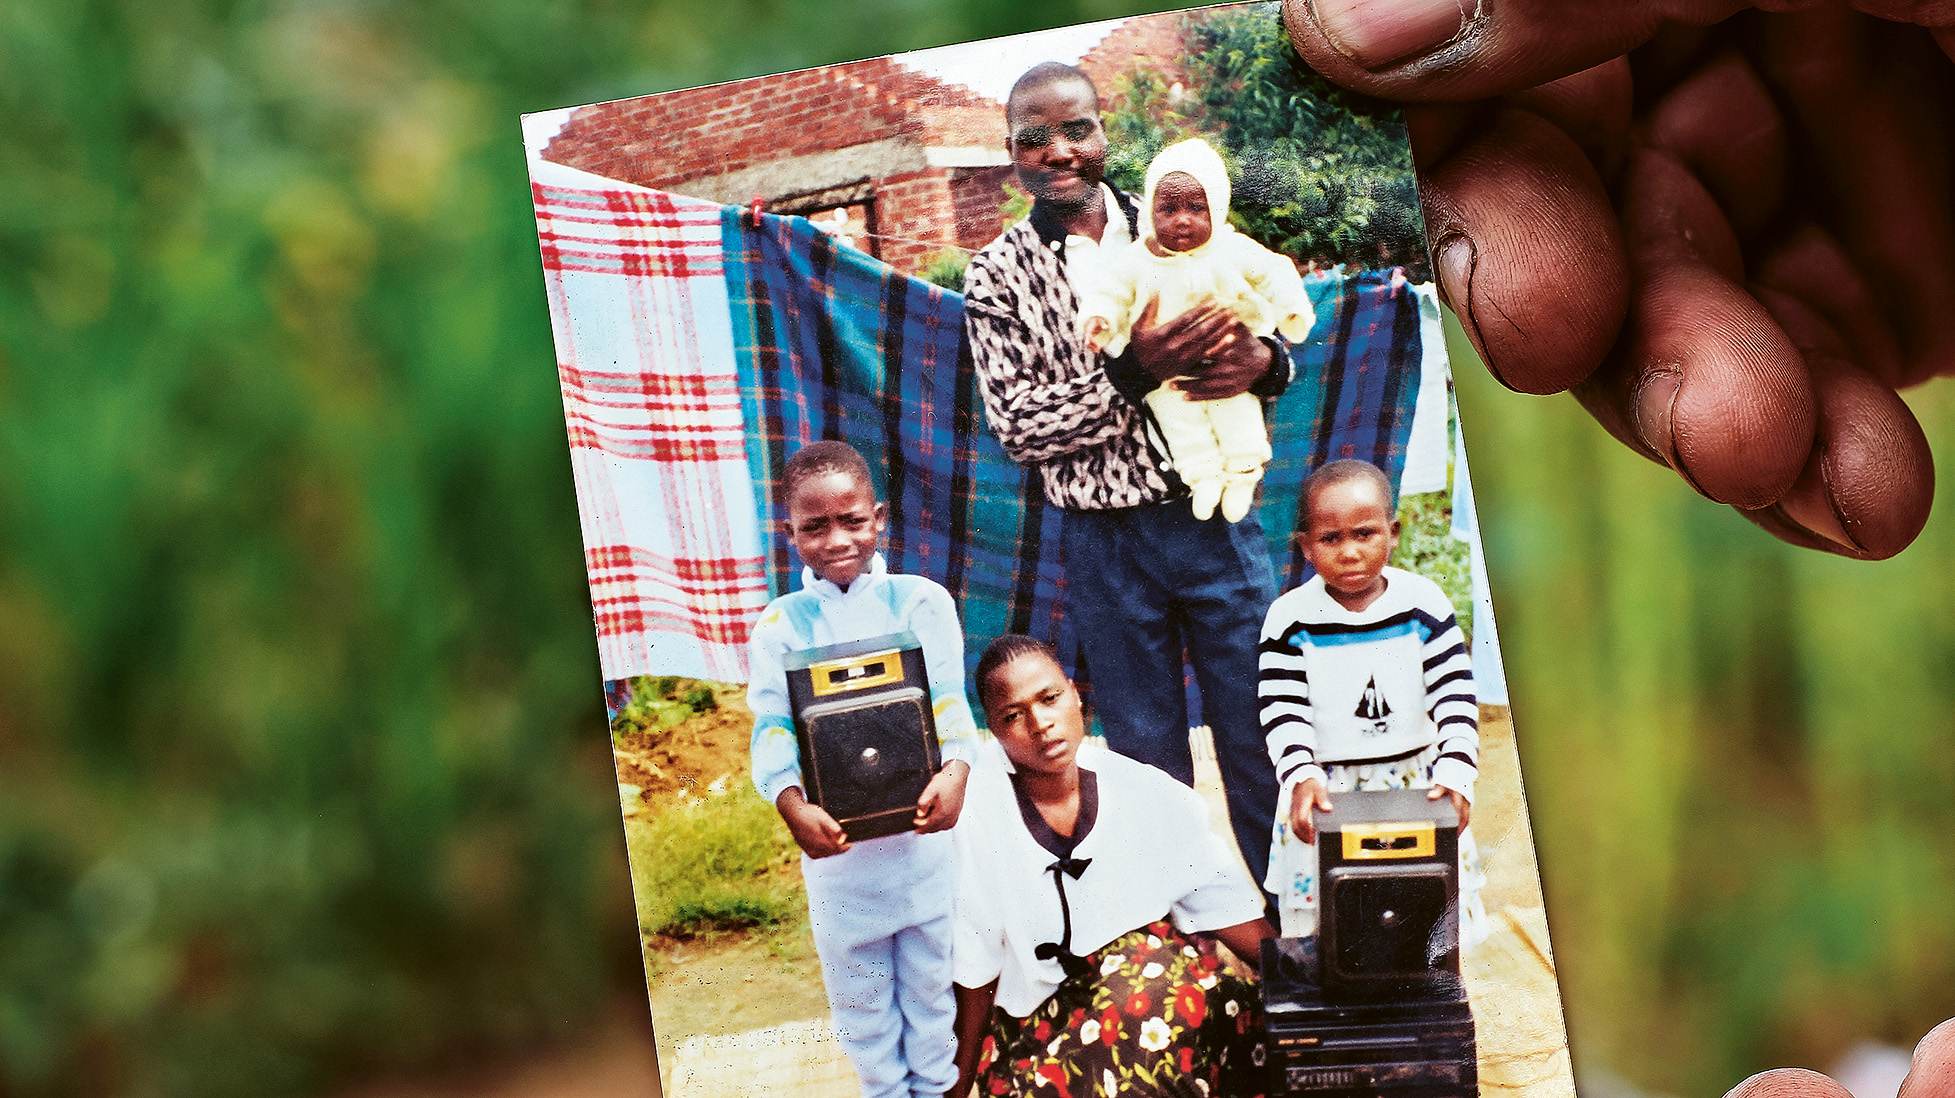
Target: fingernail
[
  {"x": 1655, "y": 398},
  {"x": 1455, "y": 258},
  {"x": 1810, "y": 503},
  {"x": 1379, "y": 33}
]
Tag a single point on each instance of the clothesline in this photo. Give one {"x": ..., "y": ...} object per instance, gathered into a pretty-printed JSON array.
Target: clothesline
[
  {"x": 697, "y": 350},
  {"x": 850, "y": 237}
]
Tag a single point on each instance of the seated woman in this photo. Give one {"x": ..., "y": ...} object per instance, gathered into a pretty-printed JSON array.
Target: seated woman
[{"x": 1084, "y": 880}]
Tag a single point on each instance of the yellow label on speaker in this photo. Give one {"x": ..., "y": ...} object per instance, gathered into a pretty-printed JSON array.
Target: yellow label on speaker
[
  {"x": 857, "y": 672},
  {"x": 1375, "y": 841}
]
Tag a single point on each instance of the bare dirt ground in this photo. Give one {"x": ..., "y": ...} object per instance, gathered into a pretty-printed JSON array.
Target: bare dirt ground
[
  {"x": 718, "y": 983},
  {"x": 742, "y": 1015},
  {"x": 1510, "y": 977},
  {"x": 687, "y": 759}
]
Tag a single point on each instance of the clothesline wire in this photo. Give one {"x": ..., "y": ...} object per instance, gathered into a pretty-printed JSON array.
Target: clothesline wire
[{"x": 913, "y": 240}]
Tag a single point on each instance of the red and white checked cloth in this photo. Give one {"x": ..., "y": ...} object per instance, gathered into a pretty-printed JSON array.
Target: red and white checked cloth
[{"x": 638, "y": 305}]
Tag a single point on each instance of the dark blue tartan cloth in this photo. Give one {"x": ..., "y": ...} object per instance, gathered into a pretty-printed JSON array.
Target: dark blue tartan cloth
[
  {"x": 1357, "y": 379},
  {"x": 833, "y": 344}
]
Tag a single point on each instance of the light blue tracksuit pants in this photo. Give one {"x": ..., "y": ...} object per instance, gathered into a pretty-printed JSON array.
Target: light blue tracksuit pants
[{"x": 881, "y": 917}]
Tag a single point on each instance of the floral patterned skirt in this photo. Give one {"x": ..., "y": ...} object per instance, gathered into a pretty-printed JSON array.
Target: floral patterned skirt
[{"x": 1155, "y": 1015}]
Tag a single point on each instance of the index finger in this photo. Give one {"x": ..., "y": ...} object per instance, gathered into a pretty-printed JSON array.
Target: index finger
[
  {"x": 1788, "y": 1083},
  {"x": 1933, "y": 1075}
]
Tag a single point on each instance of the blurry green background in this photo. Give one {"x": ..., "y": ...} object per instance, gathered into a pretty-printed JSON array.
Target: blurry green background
[{"x": 303, "y": 771}]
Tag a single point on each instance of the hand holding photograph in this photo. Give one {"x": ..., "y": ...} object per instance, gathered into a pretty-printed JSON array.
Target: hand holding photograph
[{"x": 1022, "y": 479}]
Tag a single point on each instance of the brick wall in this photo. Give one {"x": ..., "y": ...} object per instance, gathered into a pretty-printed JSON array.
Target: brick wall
[
  {"x": 1152, "y": 43},
  {"x": 669, "y": 140},
  {"x": 912, "y": 214},
  {"x": 976, "y": 196},
  {"x": 666, "y": 140}
]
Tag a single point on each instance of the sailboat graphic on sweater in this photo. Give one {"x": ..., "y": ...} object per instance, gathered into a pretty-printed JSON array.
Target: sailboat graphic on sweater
[{"x": 1373, "y": 708}]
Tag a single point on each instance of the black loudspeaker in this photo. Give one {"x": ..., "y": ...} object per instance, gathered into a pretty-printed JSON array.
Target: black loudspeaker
[
  {"x": 868, "y": 737},
  {"x": 1321, "y": 1046},
  {"x": 1388, "y": 894}
]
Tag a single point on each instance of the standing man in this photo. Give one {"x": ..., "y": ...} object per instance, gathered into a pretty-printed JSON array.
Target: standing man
[{"x": 1145, "y": 581}]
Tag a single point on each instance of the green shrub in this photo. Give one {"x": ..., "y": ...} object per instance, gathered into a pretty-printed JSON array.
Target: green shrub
[
  {"x": 1426, "y": 545},
  {"x": 662, "y": 701},
  {"x": 946, "y": 269},
  {"x": 1330, "y": 173},
  {"x": 720, "y": 863}
]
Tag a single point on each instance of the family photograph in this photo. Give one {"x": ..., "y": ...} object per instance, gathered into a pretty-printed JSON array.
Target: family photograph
[{"x": 1029, "y": 532}]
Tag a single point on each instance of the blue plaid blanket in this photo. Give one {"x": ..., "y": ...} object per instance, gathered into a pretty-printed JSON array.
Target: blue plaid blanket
[
  {"x": 832, "y": 344},
  {"x": 1357, "y": 380}
]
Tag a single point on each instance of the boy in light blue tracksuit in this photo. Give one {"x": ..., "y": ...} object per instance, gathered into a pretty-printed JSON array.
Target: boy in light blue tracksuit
[{"x": 880, "y": 908}]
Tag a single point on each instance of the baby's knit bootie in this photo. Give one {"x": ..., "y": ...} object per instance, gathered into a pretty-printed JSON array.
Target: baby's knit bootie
[
  {"x": 1207, "y": 492},
  {"x": 1238, "y": 497}
]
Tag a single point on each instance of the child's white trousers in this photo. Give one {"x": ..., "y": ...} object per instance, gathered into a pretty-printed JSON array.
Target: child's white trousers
[{"x": 881, "y": 917}]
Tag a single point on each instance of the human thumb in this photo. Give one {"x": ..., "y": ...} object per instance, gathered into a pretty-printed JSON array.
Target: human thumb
[{"x": 1450, "y": 50}]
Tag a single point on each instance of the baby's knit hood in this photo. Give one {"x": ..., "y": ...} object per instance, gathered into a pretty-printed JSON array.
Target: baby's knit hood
[{"x": 1200, "y": 160}]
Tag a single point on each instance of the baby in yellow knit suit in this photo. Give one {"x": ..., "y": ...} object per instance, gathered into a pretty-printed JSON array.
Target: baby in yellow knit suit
[{"x": 1188, "y": 255}]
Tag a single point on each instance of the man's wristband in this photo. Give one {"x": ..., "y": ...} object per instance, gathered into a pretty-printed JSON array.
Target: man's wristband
[{"x": 1282, "y": 368}]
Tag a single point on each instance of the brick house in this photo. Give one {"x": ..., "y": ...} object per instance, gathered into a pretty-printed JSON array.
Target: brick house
[{"x": 916, "y": 165}]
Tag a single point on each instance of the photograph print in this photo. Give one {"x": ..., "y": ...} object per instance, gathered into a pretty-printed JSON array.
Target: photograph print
[{"x": 1035, "y": 579}]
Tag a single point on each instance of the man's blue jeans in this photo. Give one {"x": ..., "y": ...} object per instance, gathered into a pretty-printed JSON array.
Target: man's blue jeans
[{"x": 1143, "y": 585}]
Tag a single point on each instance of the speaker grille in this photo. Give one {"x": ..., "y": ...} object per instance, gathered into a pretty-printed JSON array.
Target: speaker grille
[
  {"x": 1385, "y": 925},
  {"x": 871, "y": 759}
]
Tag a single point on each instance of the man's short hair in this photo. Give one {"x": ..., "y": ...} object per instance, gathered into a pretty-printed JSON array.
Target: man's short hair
[
  {"x": 1337, "y": 472},
  {"x": 1005, "y": 650},
  {"x": 1045, "y": 74},
  {"x": 821, "y": 458}
]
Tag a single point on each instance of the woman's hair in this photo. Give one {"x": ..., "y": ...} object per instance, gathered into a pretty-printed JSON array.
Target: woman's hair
[{"x": 1004, "y": 650}]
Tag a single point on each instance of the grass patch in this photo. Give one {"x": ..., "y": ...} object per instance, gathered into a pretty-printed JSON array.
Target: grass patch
[
  {"x": 659, "y": 702},
  {"x": 723, "y": 862}
]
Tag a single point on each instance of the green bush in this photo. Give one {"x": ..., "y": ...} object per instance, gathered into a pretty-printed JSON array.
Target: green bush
[
  {"x": 1331, "y": 172},
  {"x": 659, "y": 702},
  {"x": 717, "y": 863},
  {"x": 946, "y": 269},
  {"x": 1426, "y": 545}
]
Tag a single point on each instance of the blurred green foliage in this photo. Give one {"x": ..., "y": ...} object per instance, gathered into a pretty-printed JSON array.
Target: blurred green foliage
[
  {"x": 301, "y": 765},
  {"x": 1737, "y": 754}
]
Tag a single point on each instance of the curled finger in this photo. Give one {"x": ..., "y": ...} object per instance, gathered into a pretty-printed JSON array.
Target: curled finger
[
  {"x": 1705, "y": 380},
  {"x": 1435, "y": 50},
  {"x": 1721, "y": 122},
  {"x": 1933, "y": 1075},
  {"x": 1528, "y": 251},
  {"x": 1788, "y": 1083},
  {"x": 1868, "y": 484}
]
